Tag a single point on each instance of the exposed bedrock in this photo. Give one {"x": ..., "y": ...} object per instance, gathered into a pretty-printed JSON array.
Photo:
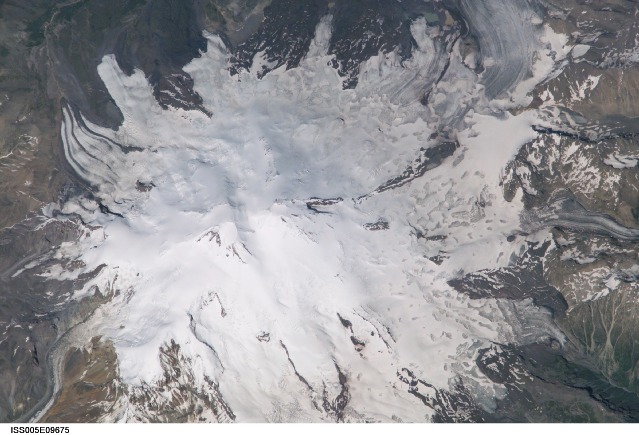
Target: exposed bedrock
[{"x": 522, "y": 280}]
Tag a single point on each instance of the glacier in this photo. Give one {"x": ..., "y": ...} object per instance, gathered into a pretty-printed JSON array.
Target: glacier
[{"x": 257, "y": 238}]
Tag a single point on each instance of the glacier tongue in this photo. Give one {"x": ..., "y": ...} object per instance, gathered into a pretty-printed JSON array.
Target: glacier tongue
[{"x": 255, "y": 241}]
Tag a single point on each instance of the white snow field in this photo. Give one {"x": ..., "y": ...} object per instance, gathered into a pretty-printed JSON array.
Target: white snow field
[{"x": 216, "y": 245}]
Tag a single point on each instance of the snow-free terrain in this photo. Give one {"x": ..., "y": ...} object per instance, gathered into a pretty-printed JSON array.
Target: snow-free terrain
[{"x": 297, "y": 244}]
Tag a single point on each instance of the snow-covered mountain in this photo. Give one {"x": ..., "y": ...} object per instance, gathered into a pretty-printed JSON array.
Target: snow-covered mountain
[{"x": 335, "y": 213}]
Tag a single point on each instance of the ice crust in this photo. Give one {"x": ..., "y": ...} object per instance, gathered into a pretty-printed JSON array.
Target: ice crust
[{"x": 223, "y": 247}]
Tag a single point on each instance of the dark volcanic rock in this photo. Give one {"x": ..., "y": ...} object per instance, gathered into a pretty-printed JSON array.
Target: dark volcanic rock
[
  {"x": 360, "y": 30},
  {"x": 429, "y": 159},
  {"x": 363, "y": 29},
  {"x": 164, "y": 37},
  {"x": 283, "y": 37},
  {"x": 524, "y": 279},
  {"x": 454, "y": 406},
  {"x": 158, "y": 37}
]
